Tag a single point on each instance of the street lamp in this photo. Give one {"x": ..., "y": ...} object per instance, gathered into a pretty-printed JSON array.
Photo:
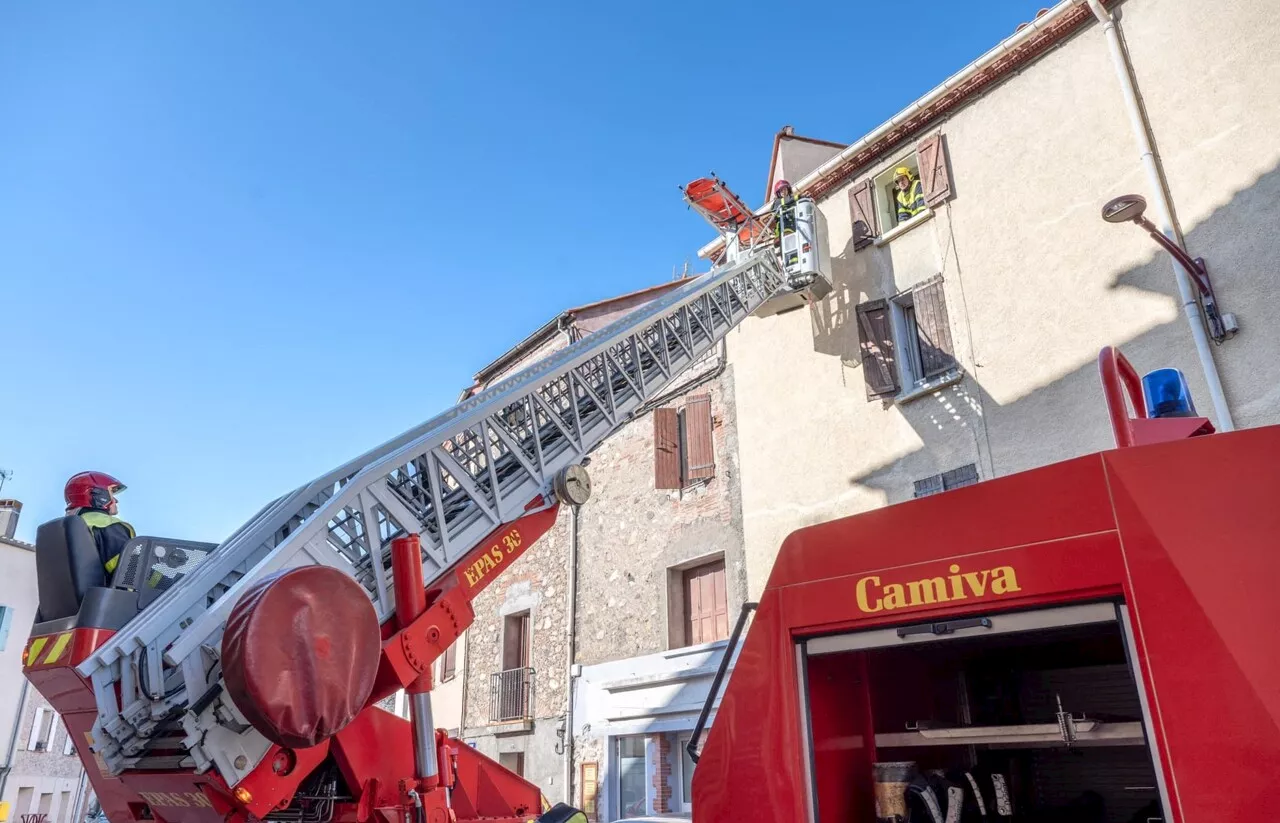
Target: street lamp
[{"x": 1129, "y": 208}]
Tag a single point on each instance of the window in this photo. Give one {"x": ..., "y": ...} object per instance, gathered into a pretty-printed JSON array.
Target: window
[
  {"x": 706, "y": 607},
  {"x": 449, "y": 663},
  {"x": 906, "y": 341},
  {"x": 686, "y": 774},
  {"x": 42, "y": 729},
  {"x": 683, "y": 450},
  {"x": 632, "y": 799},
  {"x": 515, "y": 641},
  {"x": 872, "y": 204},
  {"x": 954, "y": 479},
  {"x": 512, "y": 762},
  {"x": 6, "y": 618}
]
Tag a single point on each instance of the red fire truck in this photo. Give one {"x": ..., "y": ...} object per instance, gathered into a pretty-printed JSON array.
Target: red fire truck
[
  {"x": 1102, "y": 625},
  {"x": 1091, "y": 640}
]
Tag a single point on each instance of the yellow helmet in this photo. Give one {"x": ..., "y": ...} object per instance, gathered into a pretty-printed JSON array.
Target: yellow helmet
[{"x": 902, "y": 171}]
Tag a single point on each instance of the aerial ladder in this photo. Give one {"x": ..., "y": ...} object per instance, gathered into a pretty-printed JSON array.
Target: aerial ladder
[{"x": 240, "y": 680}]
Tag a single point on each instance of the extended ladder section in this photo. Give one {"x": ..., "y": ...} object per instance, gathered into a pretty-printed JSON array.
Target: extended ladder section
[{"x": 452, "y": 480}]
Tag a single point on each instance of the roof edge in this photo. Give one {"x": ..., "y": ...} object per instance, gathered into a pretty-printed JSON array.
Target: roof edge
[{"x": 1029, "y": 42}]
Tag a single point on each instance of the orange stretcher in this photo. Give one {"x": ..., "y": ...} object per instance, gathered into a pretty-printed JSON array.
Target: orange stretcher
[{"x": 724, "y": 210}]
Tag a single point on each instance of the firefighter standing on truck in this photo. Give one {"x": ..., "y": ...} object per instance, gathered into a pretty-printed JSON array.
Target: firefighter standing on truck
[
  {"x": 92, "y": 496},
  {"x": 909, "y": 195}
]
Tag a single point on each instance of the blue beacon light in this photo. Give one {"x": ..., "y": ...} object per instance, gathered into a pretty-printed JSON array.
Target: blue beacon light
[{"x": 1167, "y": 394}]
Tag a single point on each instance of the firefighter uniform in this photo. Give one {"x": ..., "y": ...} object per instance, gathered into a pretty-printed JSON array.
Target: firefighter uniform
[
  {"x": 910, "y": 202},
  {"x": 111, "y": 534}
]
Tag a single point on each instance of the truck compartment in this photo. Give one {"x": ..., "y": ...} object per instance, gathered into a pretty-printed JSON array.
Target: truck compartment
[{"x": 1041, "y": 707}]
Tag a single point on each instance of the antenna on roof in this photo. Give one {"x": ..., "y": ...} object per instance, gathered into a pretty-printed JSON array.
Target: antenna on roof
[{"x": 5, "y": 474}]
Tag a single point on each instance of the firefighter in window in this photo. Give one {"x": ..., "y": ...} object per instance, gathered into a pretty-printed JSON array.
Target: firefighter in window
[{"x": 909, "y": 195}]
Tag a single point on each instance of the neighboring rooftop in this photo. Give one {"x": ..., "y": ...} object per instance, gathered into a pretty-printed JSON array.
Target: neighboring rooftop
[{"x": 576, "y": 322}]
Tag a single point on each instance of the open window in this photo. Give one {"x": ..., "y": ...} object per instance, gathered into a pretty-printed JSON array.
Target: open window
[
  {"x": 906, "y": 342},
  {"x": 684, "y": 451},
  {"x": 873, "y": 201}
]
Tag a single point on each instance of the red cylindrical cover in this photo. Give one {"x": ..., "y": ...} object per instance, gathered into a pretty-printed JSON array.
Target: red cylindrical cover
[{"x": 300, "y": 653}]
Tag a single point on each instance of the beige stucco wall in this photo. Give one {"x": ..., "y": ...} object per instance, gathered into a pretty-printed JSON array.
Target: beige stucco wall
[
  {"x": 1036, "y": 282},
  {"x": 18, "y": 569}
]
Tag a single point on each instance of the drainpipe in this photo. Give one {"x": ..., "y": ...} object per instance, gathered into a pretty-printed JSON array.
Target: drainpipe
[
  {"x": 13, "y": 738},
  {"x": 1162, "y": 207},
  {"x": 572, "y": 634}
]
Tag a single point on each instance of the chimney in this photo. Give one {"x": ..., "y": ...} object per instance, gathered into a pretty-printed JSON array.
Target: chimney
[{"x": 9, "y": 511}]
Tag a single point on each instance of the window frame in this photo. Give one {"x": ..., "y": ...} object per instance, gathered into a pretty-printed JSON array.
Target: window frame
[
  {"x": 686, "y": 795},
  {"x": 886, "y": 203},
  {"x": 909, "y": 361},
  {"x": 617, "y": 774}
]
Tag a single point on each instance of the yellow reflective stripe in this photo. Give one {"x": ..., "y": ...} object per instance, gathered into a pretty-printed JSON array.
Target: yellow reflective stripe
[
  {"x": 37, "y": 646},
  {"x": 111, "y": 564},
  {"x": 59, "y": 646}
]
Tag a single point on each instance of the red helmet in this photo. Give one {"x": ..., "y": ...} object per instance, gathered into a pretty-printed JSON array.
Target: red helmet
[
  {"x": 91, "y": 490},
  {"x": 779, "y": 186}
]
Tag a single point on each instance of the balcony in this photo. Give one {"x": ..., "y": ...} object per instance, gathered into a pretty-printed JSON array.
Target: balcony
[{"x": 510, "y": 696}]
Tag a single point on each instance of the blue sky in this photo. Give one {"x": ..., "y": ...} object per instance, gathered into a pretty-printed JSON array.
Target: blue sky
[{"x": 242, "y": 242}]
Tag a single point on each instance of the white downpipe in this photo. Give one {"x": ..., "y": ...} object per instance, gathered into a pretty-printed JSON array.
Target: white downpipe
[
  {"x": 947, "y": 86},
  {"x": 1163, "y": 211},
  {"x": 571, "y": 633}
]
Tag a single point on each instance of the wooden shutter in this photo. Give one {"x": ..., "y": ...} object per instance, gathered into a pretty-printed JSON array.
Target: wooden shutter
[
  {"x": 937, "y": 355},
  {"x": 700, "y": 459},
  {"x": 449, "y": 663},
  {"x": 862, "y": 208},
  {"x": 706, "y": 604},
  {"x": 666, "y": 449},
  {"x": 875, "y": 337},
  {"x": 590, "y": 783},
  {"x": 935, "y": 175}
]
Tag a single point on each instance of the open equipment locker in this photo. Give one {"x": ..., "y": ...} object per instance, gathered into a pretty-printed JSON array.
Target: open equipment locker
[{"x": 1046, "y": 698}]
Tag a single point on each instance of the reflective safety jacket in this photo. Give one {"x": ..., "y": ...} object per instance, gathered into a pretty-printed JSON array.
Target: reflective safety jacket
[
  {"x": 910, "y": 202},
  {"x": 111, "y": 534},
  {"x": 785, "y": 210}
]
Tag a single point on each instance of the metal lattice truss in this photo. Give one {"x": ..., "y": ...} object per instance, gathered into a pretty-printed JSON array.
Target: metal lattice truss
[{"x": 452, "y": 480}]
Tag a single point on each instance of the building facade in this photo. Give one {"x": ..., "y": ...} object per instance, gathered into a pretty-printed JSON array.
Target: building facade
[
  {"x": 961, "y": 344},
  {"x": 42, "y": 774},
  {"x": 642, "y": 582}
]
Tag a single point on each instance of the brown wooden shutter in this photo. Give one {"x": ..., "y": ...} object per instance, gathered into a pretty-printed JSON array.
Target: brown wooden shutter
[
  {"x": 875, "y": 337},
  {"x": 862, "y": 208},
  {"x": 700, "y": 459},
  {"x": 449, "y": 663},
  {"x": 937, "y": 354},
  {"x": 666, "y": 449},
  {"x": 706, "y": 604},
  {"x": 935, "y": 176}
]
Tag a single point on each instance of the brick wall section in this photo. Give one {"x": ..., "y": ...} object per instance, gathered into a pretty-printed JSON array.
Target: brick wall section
[{"x": 662, "y": 774}]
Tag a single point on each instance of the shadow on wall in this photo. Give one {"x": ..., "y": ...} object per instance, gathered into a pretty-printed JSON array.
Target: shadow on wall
[
  {"x": 853, "y": 276},
  {"x": 1065, "y": 416}
]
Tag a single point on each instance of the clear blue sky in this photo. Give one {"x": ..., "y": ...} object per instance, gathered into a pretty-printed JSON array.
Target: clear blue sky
[{"x": 242, "y": 242}]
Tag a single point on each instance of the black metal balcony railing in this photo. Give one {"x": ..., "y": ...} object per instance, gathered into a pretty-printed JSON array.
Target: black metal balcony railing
[{"x": 509, "y": 695}]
